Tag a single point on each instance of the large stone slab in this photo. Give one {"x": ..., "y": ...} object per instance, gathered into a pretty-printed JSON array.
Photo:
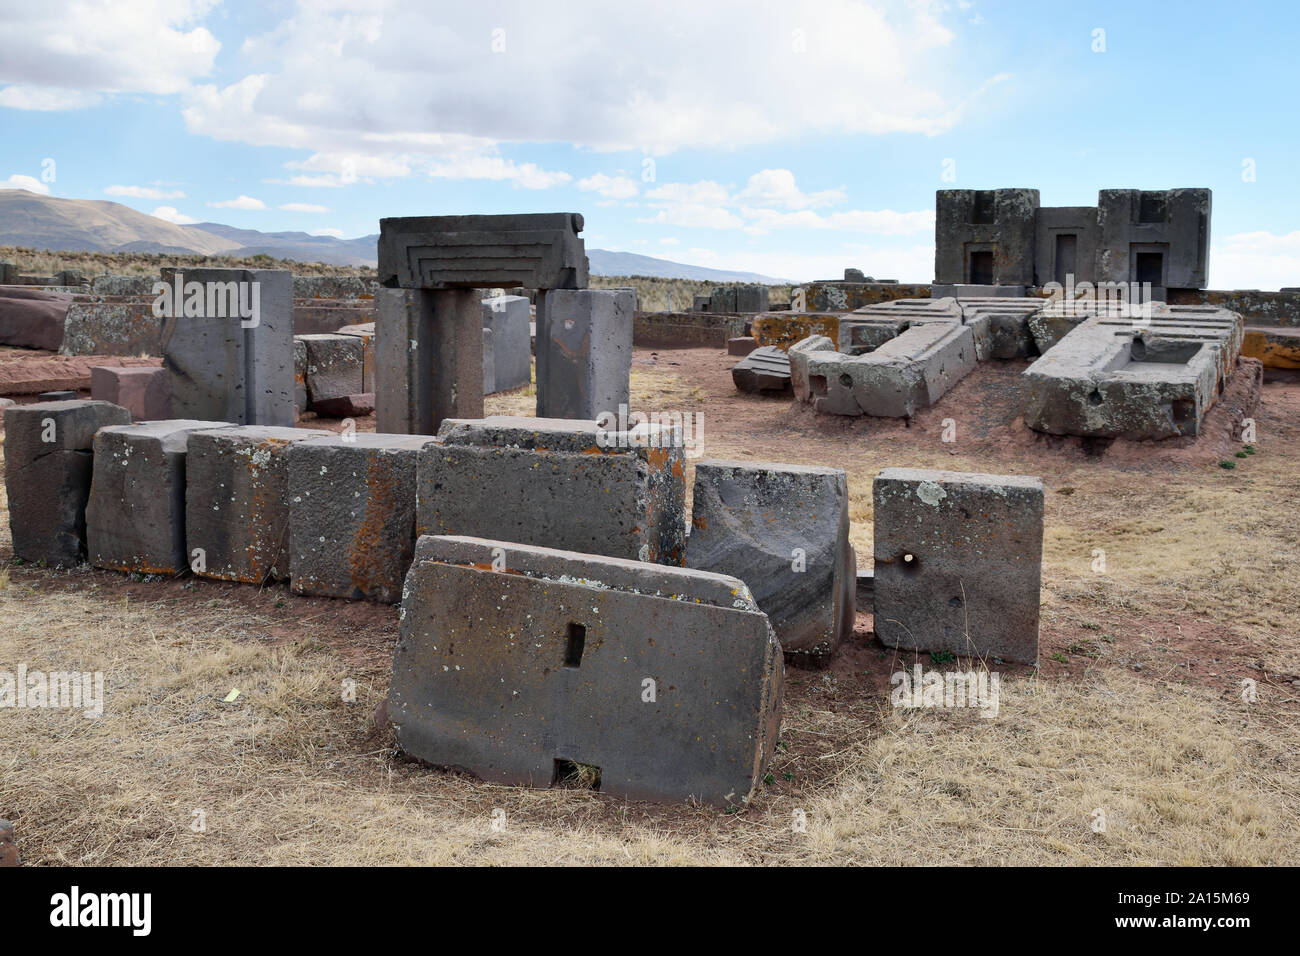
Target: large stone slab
[
  {"x": 508, "y": 317},
  {"x": 352, "y": 515},
  {"x": 225, "y": 367},
  {"x": 48, "y": 450},
  {"x": 958, "y": 562},
  {"x": 237, "y": 501},
  {"x": 584, "y": 348},
  {"x": 784, "y": 531},
  {"x": 765, "y": 369},
  {"x": 33, "y": 318},
  {"x": 334, "y": 366},
  {"x": 145, "y": 392},
  {"x": 664, "y": 687},
  {"x": 135, "y": 518},
  {"x": 557, "y": 483},
  {"x": 531, "y": 251}
]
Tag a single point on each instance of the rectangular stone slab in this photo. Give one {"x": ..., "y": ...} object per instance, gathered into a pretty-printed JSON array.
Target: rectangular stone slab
[
  {"x": 135, "y": 519},
  {"x": 352, "y": 515},
  {"x": 958, "y": 562},
  {"x": 145, "y": 392},
  {"x": 48, "y": 468},
  {"x": 237, "y": 501},
  {"x": 584, "y": 344},
  {"x": 508, "y": 317},
  {"x": 334, "y": 366},
  {"x": 550, "y": 483},
  {"x": 515, "y": 678},
  {"x": 783, "y": 530}
]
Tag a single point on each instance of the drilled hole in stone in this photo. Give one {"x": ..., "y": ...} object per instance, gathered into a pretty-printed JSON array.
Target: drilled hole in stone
[
  {"x": 1095, "y": 397},
  {"x": 846, "y": 380}
]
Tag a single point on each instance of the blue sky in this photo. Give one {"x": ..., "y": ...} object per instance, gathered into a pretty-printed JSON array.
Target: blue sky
[{"x": 792, "y": 139}]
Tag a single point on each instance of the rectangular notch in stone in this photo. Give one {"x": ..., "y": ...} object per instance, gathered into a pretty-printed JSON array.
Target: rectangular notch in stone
[{"x": 575, "y": 642}]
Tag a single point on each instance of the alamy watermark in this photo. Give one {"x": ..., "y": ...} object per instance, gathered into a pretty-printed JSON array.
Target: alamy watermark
[
  {"x": 663, "y": 429},
  {"x": 53, "y": 690},
  {"x": 921, "y": 688},
  {"x": 1129, "y": 300},
  {"x": 212, "y": 300}
]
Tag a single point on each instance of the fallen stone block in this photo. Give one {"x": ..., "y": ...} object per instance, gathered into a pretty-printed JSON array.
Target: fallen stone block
[
  {"x": 135, "y": 518},
  {"x": 665, "y": 687},
  {"x": 584, "y": 349},
  {"x": 741, "y": 345},
  {"x": 33, "y": 318},
  {"x": 237, "y": 501},
  {"x": 48, "y": 452},
  {"x": 352, "y": 515},
  {"x": 366, "y": 333},
  {"x": 145, "y": 392},
  {"x": 557, "y": 482},
  {"x": 346, "y": 406},
  {"x": 784, "y": 531},
  {"x": 334, "y": 366},
  {"x": 958, "y": 562},
  {"x": 112, "y": 328},
  {"x": 766, "y": 369}
]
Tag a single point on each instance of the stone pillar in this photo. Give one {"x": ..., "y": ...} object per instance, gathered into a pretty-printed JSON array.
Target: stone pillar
[{"x": 586, "y": 341}]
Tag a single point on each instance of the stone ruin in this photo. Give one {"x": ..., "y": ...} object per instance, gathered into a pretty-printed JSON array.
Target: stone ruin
[{"x": 557, "y": 618}]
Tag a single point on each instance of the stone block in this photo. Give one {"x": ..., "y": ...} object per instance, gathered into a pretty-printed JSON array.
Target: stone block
[
  {"x": 741, "y": 345},
  {"x": 751, "y": 298},
  {"x": 561, "y": 483},
  {"x": 145, "y": 392},
  {"x": 237, "y": 501},
  {"x": 60, "y": 395},
  {"x": 784, "y": 531},
  {"x": 48, "y": 451},
  {"x": 33, "y": 318},
  {"x": 508, "y": 317},
  {"x": 352, "y": 515},
  {"x": 666, "y": 689},
  {"x": 532, "y": 251},
  {"x": 584, "y": 349},
  {"x": 135, "y": 518},
  {"x": 985, "y": 236},
  {"x": 226, "y": 366},
  {"x": 958, "y": 562},
  {"x": 348, "y": 406},
  {"x": 766, "y": 369},
  {"x": 334, "y": 366}
]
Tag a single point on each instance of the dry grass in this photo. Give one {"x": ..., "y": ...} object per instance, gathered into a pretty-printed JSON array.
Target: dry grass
[{"x": 1185, "y": 771}]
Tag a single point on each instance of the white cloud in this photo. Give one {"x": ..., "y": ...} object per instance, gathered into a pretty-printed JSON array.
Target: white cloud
[
  {"x": 170, "y": 214},
  {"x": 695, "y": 216},
  {"x": 303, "y": 207},
  {"x": 64, "y": 54},
  {"x": 668, "y": 241},
  {"x": 30, "y": 183},
  {"x": 328, "y": 181},
  {"x": 611, "y": 187},
  {"x": 776, "y": 187},
  {"x": 1255, "y": 260},
  {"x": 335, "y": 233},
  {"x": 144, "y": 192},
  {"x": 424, "y": 89},
  {"x": 243, "y": 202},
  {"x": 703, "y": 193}
]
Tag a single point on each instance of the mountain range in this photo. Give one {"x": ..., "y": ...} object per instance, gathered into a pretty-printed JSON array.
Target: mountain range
[{"x": 35, "y": 221}]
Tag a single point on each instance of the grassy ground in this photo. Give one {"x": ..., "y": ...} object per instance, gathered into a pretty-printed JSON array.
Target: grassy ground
[{"x": 1135, "y": 713}]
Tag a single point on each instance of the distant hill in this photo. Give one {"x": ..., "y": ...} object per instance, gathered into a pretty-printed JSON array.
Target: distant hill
[{"x": 71, "y": 225}]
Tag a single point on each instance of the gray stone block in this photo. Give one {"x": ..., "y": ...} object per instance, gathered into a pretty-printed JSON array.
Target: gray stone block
[
  {"x": 48, "y": 451},
  {"x": 532, "y": 251},
  {"x": 765, "y": 369},
  {"x": 584, "y": 348},
  {"x": 551, "y": 482},
  {"x": 985, "y": 236},
  {"x": 509, "y": 317},
  {"x": 567, "y": 660},
  {"x": 135, "y": 518},
  {"x": 334, "y": 366},
  {"x": 223, "y": 366},
  {"x": 751, "y": 298},
  {"x": 958, "y": 562},
  {"x": 237, "y": 501},
  {"x": 352, "y": 515},
  {"x": 784, "y": 531}
]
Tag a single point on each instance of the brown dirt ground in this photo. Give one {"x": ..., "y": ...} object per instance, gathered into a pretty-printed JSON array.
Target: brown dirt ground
[{"x": 1136, "y": 707}]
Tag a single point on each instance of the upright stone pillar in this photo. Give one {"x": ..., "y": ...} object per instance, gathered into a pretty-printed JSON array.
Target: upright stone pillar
[{"x": 586, "y": 337}]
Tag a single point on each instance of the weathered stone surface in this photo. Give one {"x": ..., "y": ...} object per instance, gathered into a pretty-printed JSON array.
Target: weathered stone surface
[
  {"x": 1170, "y": 225},
  {"x": 676, "y": 330},
  {"x": 532, "y": 251},
  {"x": 584, "y": 349},
  {"x": 866, "y": 589},
  {"x": 237, "y": 500},
  {"x": 751, "y": 298},
  {"x": 672, "y": 687},
  {"x": 48, "y": 467},
  {"x": 112, "y": 328},
  {"x": 135, "y": 518},
  {"x": 784, "y": 531},
  {"x": 985, "y": 236},
  {"x": 741, "y": 345},
  {"x": 366, "y": 333},
  {"x": 348, "y": 406},
  {"x": 33, "y": 318},
  {"x": 765, "y": 369},
  {"x": 508, "y": 317},
  {"x": 334, "y": 366},
  {"x": 145, "y": 392},
  {"x": 221, "y": 370},
  {"x": 1116, "y": 376},
  {"x": 551, "y": 482},
  {"x": 61, "y": 395},
  {"x": 428, "y": 359},
  {"x": 958, "y": 562},
  {"x": 833, "y": 295},
  {"x": 352, "y": 515},
  {"x": 123, "y": 285}
]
